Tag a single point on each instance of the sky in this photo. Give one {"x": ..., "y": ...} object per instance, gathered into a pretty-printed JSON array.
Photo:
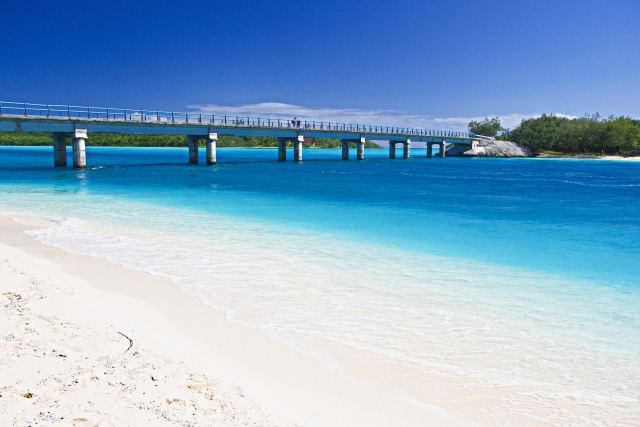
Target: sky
[{"x": 430, "y": 64}]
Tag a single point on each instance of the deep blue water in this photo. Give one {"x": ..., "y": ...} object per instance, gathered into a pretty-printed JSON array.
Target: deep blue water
[{"x": 579, "y": 218}]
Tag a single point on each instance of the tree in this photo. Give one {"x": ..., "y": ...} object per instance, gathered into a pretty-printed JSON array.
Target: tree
[
  {"x": 487, "y": 127},
  {"x": 620, "y": 135},
  {"x": 542, "y": 133}
]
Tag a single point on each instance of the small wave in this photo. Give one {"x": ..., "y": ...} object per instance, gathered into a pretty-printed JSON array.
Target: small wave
[{"x": 429, "y": 317}]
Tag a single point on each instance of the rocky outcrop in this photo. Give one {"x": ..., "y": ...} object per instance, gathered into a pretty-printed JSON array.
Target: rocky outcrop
[{"x": 489, "y": 148}]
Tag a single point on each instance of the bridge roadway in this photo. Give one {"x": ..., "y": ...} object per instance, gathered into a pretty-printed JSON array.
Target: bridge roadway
[{"x": 208, "y": 128}]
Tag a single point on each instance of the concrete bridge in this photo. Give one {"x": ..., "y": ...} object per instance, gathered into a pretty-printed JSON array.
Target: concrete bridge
[{"x": 63, "y": 121}]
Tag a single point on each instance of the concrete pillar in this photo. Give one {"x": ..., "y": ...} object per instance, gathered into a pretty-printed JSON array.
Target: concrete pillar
[
  {"x": 297, "y": 149},
  {"x": 211, "y": 148},
  {"x": 193, "y": 149},
  {"x": 361, "y": 149},
  {"x": 406, "y": 149},
  {"x": 429, "y": 150},
  {"x": 392, "y": 149},
  {"x": 345, "y": 149},
  {"x": 79, "y": 155},
  {"x": 442, "y": 152},
  {"x": 59, "y": 149},
  {"x": 282, "y": 149}
]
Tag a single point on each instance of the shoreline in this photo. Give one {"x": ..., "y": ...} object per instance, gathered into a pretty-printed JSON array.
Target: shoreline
[
  {"x": 90, "y": 302},
  {"x": 585, "y": 157}
]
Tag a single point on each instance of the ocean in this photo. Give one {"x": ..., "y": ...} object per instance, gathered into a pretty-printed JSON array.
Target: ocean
[{"x": 502, "y": 291}]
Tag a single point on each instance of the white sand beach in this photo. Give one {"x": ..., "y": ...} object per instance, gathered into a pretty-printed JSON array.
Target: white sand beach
[
  {"x": 587, "y": 157},
  {"x": 86, "y": 342}
]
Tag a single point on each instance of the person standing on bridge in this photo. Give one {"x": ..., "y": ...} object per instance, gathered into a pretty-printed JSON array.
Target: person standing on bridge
[{"x": 293, "y": 122}]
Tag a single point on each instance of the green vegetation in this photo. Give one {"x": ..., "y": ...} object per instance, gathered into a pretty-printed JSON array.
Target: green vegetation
[
  {"x": 246, "y": 141},
  {"x": 23, "y": 138},
  {"x": 243, "y": 141},
  {"x": 553, "y": 134},
  {"x": 487, "y": 127},
  {"x": 588, "y": 134},
  {"x": 97, "y": 139},
  {"x": 112, "y": 139}
]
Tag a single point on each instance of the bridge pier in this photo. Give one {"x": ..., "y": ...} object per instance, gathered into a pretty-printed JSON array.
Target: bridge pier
[
  {"x": 282, "y": 149},
  {"x": 193, "y": 148},
  {"x": 345, "y": 149},
  {"x": 429, "y": 150},
  {"x": 79, "y": 155},
  {"x": 392, "y": 149},
  {"x": 359, "y": 150},
  {"x": 442, "y": 152},
  {"x": 211, "y": 148},
  {"x": 406, "y": 149},
  {"x": 297, "y": 149},
  {"x": 59, "y": 149}
]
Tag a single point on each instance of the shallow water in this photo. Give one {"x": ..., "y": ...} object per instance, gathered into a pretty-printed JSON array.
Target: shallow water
[{"x": 501, "y": 290}]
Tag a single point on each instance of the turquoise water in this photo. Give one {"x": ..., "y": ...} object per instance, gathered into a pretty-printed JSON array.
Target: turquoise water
[{"x": 515, "y": 277}]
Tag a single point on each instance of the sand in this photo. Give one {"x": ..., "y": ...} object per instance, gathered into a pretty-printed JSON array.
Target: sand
[
  {"x": 87, "y": 342},
  {"x": 586, "y": 157}
]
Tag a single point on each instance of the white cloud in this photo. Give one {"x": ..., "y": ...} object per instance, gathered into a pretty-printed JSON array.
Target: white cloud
[{"x": 355, "y": 116}]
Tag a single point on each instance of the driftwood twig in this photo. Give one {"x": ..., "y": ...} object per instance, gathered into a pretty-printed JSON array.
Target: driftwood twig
[{"x": 130, "y": 341}]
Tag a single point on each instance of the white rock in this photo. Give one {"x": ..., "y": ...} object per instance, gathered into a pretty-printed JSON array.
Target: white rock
[{"x": 495, "y": 148}]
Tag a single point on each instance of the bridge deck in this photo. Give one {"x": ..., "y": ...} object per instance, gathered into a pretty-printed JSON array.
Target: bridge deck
[
  {"x": 16, "y": 123},
  {"x": 77, "y": 122},
  {"x": 47, "y": 118}
]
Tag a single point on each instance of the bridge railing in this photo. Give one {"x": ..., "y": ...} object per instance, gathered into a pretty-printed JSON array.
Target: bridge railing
[{"x": 156, "y": 116}]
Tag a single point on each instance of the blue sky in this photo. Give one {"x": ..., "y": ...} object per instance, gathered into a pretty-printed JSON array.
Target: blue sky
[{"x": 431, "y": 64}]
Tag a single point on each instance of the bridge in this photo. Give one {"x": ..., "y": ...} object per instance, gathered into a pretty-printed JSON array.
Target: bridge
[{"x": 76, "y": 122}]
